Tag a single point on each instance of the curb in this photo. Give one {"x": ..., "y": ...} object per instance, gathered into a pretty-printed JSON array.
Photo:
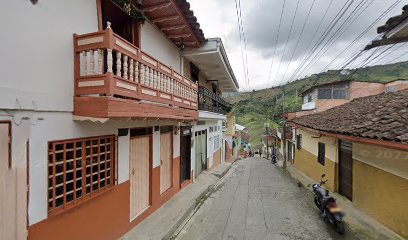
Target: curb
[
  {"x": 187, "y": 215},
  {"x": 351, "y": 222},
  {"x": 175, "y": 231}
]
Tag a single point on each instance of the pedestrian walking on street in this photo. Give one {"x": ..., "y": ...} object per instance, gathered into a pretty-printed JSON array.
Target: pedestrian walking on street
[
  {"x": 260, "y": 152},
  {"x": 274, "y": 155}
]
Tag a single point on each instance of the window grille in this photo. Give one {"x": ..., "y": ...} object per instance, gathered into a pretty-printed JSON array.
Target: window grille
[
  {"x": 216, "y": 142},
  {"x": 79, "y": 169},
  {"x": 340, "y": 93},
  {"x": 325, "y": 93}
]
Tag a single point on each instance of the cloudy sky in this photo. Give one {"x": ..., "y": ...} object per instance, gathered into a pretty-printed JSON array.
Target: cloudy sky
[{"x": 218, "y": 18}]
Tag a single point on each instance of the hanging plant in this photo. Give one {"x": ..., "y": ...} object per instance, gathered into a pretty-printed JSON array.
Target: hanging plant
[{"x": 131, "y": 10}]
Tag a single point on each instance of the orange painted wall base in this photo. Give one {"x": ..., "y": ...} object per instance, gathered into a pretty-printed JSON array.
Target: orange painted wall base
[{"x": 106, "y": 216}]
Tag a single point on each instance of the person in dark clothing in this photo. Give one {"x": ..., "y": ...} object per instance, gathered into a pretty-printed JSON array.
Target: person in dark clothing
[
  {"x": 274, "y": 155},
  {"x": 260, "y": 152}
]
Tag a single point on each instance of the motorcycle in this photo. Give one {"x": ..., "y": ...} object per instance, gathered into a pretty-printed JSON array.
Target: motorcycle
[{"x": 328, "y": 205}]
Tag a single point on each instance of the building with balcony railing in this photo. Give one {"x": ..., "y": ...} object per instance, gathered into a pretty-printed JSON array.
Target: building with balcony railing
[
  {"x": 97, "y": 115},
  {"x": 209, "y": 67}
]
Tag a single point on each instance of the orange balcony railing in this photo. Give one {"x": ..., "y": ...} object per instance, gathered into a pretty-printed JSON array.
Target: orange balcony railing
[{"x": 113, "y": 78}]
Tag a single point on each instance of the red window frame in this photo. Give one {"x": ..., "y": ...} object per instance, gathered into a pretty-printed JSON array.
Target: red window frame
[{"x": 98, "y": 159}]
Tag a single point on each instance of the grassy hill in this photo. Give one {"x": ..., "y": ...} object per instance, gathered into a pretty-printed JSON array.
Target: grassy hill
[{"x": 253, "y": 109}]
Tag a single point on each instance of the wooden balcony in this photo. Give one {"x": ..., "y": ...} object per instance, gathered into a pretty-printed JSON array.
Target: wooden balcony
[{"x": 115, "y": 79}]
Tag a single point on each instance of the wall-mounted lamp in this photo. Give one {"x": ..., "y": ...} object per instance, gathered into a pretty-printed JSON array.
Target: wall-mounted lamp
[{"x": 182, "y": 45}]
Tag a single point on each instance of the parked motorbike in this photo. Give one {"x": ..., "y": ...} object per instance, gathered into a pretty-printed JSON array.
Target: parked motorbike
[{"x": 328, "y": 205}]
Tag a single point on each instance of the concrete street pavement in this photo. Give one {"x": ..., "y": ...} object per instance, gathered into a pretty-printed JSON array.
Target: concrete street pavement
[{"x": 255, "y": 200}]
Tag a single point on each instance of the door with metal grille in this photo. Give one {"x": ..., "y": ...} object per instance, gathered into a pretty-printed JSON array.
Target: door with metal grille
[
  {"x": 165, "y": 161},
  {"x": 201, "y": 151},
  {"x": 346, "y": 169},
  {"x": 140, "y": 154}
]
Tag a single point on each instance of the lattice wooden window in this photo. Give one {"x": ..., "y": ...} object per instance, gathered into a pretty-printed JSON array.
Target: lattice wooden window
[{"x": 79, "y": 169}]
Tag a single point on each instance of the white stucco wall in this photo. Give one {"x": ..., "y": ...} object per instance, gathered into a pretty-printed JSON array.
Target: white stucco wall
[
  {"x": 167, "y": 53},
  {"x": 44, "y": 127},
  {"x": 37, "y": 66},
  {"x": 37, "y": 69},
  {"x": 123, "y": 158}
]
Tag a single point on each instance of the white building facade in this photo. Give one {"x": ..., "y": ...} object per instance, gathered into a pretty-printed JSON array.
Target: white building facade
[{"x": 95, "y": 117}]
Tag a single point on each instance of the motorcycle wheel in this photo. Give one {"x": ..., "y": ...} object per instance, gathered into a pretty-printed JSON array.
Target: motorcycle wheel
[{"x": 339, "y": 227}]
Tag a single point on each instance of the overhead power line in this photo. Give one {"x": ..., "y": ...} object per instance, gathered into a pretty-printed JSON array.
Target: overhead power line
[
  {"x": 242, "y": 39},
  {"x": 287, "y": 40},
  {"x": 398, "y": 57},
  {"x": 325, "y": 34},
  {"x": 360, "y": 36},
  {"x": 389, "y": 53},
  {"x": 276, "y": 40},
  {"x": 353, "y": 16},
  {"x": 314, "y": 36},
  {"x": 300, "y": 36}
]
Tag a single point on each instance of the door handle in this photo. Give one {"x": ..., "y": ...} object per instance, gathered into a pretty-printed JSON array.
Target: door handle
[{"x": 133, "y": 171}]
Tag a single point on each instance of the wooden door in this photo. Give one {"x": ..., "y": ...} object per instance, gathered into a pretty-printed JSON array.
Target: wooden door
[
  {"x": 165, "y": 161},
  {"x": 140, "y": 154},
  {"x": 122, "y": 23},
  {"x": 346, "y": 169}
]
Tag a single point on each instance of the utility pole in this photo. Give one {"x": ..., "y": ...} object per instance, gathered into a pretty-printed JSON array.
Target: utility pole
[
  {"x": 284, "y": 132},
  {"x": 266, "y": 125}
]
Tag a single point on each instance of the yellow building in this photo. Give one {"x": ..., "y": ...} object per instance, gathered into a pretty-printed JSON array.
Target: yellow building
[{"x": 362, "y": 147}]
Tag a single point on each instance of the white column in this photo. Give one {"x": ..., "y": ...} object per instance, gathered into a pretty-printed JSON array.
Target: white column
[
  {"x": 131, "y": 71},
  {"x": 110, "y": 60},
  {"x": 118, "y": 64},
  {"x": 125, "y": 67}
]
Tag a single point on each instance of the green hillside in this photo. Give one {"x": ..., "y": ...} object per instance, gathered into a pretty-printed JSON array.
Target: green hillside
[{"x": 253, "y": 109}]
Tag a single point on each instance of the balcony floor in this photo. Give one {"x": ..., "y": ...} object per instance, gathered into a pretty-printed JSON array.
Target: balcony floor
[{"x": 111, "y": 107}]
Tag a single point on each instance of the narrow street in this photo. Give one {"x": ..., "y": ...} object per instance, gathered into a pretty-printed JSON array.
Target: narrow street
[{"x": 255, "y": 200}]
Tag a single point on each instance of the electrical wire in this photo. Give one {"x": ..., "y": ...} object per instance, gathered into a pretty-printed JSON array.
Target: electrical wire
[
  {"x": 242, "y": 41},
  {"x": 329, "y": 28},
  {"x": 394, "y": 50},
  {"x": 364, "y": 32},
  {"x": 287, "y": 40},
  {"x": 354, "y": 15},
  {"x": 298, "y": 40},
  {"x": 276, "y": 41},
  {"x": 314, "y": 36}
]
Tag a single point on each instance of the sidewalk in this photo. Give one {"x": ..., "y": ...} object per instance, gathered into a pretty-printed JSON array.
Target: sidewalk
[
  {"x": 164, "y": 222},
  {"x": 221, "y": 170},
  {"x": 361, "y": 224}
]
